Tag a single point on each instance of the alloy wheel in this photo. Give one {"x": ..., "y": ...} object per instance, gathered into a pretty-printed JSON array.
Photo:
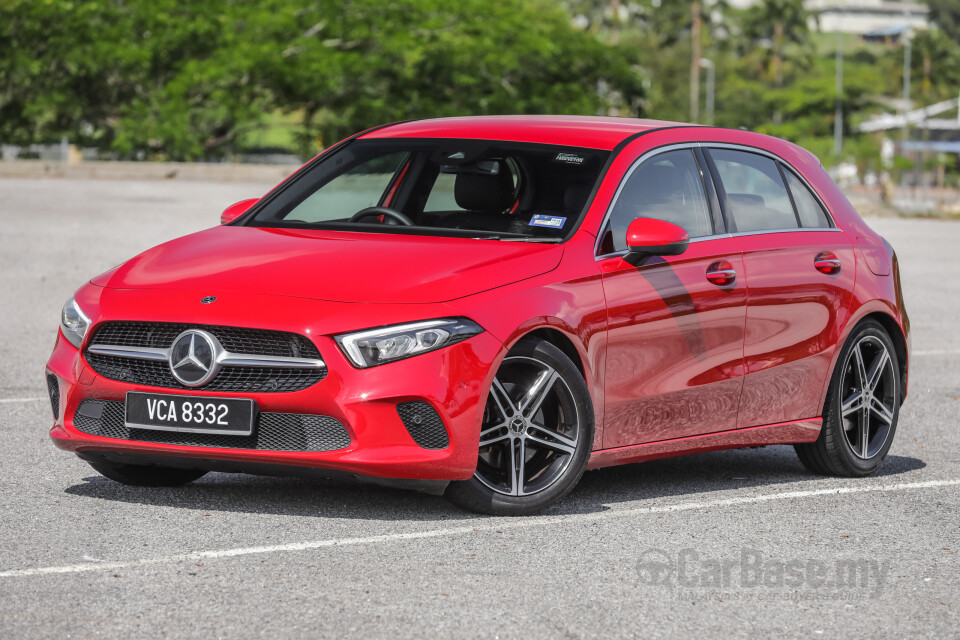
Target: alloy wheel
[
  {"x": 868, "y": 397},
  {"x": 531, "y": 428}
]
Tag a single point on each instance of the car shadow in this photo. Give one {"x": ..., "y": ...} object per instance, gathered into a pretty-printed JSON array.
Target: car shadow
[
  {"x": 316, "y": 498},
  {"x": 728, "y": 470}
]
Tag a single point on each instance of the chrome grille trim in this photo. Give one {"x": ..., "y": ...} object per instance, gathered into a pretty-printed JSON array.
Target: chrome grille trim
[
  {"x": 225, "y": 358},
  {"x": 137, "y": 353}
]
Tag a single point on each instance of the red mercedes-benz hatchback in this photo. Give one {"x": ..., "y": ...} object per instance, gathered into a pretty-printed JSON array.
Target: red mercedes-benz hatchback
[{"x": 487, "y": 307}]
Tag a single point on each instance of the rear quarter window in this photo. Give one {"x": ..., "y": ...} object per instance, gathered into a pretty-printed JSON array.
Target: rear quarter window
[{"x": 809, "y": 210}]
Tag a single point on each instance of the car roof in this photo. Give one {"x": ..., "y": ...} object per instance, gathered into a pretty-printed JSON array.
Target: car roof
[{"x": 594, "y": 132}]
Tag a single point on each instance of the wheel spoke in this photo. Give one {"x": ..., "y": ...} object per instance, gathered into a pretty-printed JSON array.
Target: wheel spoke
[
  {"x": 555, "y": 434},
  {"x": 864, "y": 430},
  {"x": 502, "y": 399},
  {"x": 860, "y": 368},
  {"x": 876, "y": 369},
  {"x": 881, "y": 411},
  {"x": 511, "y": 459},
  {"x": 521, "y": 447},
  {"x": 538, "y": 392},
  {"x": 852, "y": 404},
  {"x": 493, "y": 435},
  {"x": 560, "y": 447}
]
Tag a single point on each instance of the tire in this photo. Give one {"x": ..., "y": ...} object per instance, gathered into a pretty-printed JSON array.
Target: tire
[
  {"x": 538, "y": 412},
  {"x": 146, "y": 476},
  {"x": 858, "y": 427}
]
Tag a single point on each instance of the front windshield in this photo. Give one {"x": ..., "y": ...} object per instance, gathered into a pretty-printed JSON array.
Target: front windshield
[{"x": 473, "y": 188}]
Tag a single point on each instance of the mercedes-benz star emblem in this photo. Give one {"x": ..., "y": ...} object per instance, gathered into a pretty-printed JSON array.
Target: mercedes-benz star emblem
[
  {"x": 208, "y": 300},
  {"x": 193, "y": 358}
]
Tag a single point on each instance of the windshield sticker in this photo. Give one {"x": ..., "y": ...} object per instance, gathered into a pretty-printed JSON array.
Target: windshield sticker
[
  {"x": 569, "y": 158},
  {"x": 459, "y": 155},
  {"x": 551, "y": 222}
]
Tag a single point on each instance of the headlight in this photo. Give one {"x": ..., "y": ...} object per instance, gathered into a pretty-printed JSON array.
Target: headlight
[
  {"x": 74, "y": 323},
  {"x": 388, "y": 344}
]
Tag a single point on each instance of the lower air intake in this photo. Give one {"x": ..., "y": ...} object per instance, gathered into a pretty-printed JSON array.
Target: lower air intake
[
  {"x": 424, "y": 425},
  {"x": 53, "y": 386},
  {"x": 273, "y": 431}
]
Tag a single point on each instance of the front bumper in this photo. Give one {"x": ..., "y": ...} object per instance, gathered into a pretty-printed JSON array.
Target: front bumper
[{"x": 452, "y": 381}]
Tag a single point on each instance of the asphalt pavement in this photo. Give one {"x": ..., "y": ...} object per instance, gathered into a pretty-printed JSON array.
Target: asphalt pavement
[{"x": 727, "y": 544}]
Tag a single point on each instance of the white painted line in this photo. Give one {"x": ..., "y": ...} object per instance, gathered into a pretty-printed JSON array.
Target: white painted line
[
  {"x": 937, "y": 352},
  {"x": 12, "y": 400},
  {"x": 480, "y": 526}
]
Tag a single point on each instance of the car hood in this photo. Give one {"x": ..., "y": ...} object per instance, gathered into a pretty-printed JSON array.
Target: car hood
[{"x": 332, "y": 265}]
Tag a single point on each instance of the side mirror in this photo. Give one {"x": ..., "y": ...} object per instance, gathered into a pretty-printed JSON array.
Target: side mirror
[
  {"x": 650, "y": 237},
  {"x": 236, "y": 210}
]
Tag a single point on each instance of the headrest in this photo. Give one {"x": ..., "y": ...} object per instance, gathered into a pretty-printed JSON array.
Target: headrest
[
  {"x": 487, "y": 193},
  {"x": 746, "y": 199}
]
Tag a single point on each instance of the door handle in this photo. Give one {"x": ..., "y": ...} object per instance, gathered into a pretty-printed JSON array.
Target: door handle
[
  {"x": 721, "y": 273},
  {"x": 827, "y": 263}
]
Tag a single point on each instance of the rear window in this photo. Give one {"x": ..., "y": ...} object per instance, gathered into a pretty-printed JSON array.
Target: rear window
[{"x": 756, "y": 196}]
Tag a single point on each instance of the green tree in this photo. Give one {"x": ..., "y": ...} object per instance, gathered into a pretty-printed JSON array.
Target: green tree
[
  {"x": 662, "y": 30},
  {"x": 364, "y": 62},
  {"x": 936, "y": 65},
  {"x": 775, "y": 25},
  {"x": 163, "y": 76},
  {"x": 180, "y": 78},
  {"x": 946, "y": 15},
  {"x": 66, "y": 69}
]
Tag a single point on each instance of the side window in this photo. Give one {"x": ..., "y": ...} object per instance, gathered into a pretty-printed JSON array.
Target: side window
[
  {"x": 809, "y": 209},
  {"x": 350, "y": 192},
  {"x": 757, "y": 199},
  {"x": 666, "y": 187}
]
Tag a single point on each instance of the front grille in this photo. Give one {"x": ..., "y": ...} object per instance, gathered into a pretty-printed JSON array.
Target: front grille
[
  {"x": 53, "y": 386},
  {"x": 160, "y": 335},
  {"x": 273, "y": 431},
  {"x": 423, "y": 424}
]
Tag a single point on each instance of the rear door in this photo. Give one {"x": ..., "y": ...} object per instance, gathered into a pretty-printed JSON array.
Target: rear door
[
  {"x": 675, "y": 338},
  {"x": 799, "y": 271}
]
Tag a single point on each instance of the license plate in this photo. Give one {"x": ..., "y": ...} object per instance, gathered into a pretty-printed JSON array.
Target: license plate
[{"x": 193, "y": 414}]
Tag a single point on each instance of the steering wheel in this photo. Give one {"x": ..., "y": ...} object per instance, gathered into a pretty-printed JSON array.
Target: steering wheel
[{"x": 371, "y": 212}]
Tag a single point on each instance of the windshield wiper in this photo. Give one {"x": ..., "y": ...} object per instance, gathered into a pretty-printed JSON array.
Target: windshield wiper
[
  {"x": 518, "y": 238},
  {"x": 533, "y": 239}
]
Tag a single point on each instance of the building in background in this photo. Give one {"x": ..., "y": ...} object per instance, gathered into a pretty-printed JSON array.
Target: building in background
[
  {"x": 866, "y": 16},
  {"x": 863, "y": 16}
]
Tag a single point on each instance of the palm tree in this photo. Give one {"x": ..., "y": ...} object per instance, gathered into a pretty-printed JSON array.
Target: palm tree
[
  {"x": 937, "y": 57},
  {"x": 780, "y": 23}
]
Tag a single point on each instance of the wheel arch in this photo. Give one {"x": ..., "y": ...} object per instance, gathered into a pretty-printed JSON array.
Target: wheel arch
[
  {"x": 561, "y": 341},
  {"x": 882, "y": 315},
  {"x": 590, "y": 365},
  {"x": 895, "y": 332}
]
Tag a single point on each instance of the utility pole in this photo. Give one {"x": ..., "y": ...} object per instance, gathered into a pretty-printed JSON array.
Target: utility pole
[
  {"x": 695, "y": 63},
  {"x": 907, "y": 65},
  {"x": 838, "y": 117},
  {"x": 907, "y": 51},
  {"x": 711, "y": 88}
]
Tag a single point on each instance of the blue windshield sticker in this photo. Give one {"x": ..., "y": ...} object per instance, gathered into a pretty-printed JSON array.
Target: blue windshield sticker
[{"x": 551, "y": 222}]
